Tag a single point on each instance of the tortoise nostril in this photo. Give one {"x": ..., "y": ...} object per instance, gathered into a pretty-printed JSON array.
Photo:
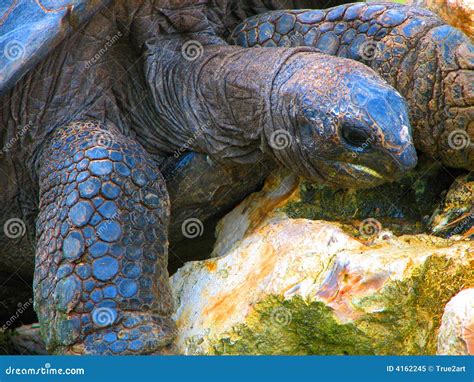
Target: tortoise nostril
[
  {"x": 408, "y": 159},
  {"x": 356, "y": 137}
]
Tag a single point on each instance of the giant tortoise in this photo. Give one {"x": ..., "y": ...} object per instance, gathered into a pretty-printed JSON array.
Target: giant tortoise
[{"x": 106, "y": 104}]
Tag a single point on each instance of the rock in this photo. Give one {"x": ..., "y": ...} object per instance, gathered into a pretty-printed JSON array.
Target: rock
[
  {"x": 27, "y": 340},
  {"x": 458, "y": 13},
  {"x": 456, "y": 334},
  {"x": 250, "y": 214},
  {"x": 455, "y": 214},
  {"x": 279, "y": 285},
  {"x": 24, "y": 340},
  {"x": 402, "y": 207}
]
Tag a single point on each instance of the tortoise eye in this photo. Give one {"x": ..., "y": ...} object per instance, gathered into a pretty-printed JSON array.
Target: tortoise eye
[{"x": 356, "y": 137}]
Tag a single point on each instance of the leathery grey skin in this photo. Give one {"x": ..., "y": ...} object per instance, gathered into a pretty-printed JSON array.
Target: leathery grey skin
[
  {"x": 429, "y": 62},
  {"x": 95, "y": 132}
]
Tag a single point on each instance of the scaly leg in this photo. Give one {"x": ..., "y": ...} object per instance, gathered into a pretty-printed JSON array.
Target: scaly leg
[{"x": 101, "y": 283}]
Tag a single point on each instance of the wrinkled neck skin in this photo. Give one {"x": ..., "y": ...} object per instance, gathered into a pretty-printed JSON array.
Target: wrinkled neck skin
[
  {"x": 202, "y": 92},
  {"x": 218, "y": 103}
]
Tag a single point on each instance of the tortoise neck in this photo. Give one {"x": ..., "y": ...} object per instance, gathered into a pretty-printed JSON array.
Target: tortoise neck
[{"x": 204, "y": 101}]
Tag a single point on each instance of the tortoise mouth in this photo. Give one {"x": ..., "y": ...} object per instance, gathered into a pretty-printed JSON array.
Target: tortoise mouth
[
  {"x": 350, "y": 175},
  {"x": 367, "y": 171},
  {"x": 339, "y": 174}
]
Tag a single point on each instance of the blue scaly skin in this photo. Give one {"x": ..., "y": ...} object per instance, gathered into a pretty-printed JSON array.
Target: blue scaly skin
[
  {"x": 105, "y": 206},
  {"x": 430, "y": 63},
  {"x": 97, "y": 132}
]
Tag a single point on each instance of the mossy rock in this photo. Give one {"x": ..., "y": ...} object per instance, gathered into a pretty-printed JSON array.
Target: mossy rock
[
  {"x": 403, "y": 206},
  {"x": 406, "y": 325},
  {"x": 299, "y": 286}
]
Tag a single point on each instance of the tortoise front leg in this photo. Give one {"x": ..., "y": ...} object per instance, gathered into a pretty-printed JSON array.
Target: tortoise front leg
[
  {"x": 101, "y": 282},
  {"x": 430, "y": 63}
]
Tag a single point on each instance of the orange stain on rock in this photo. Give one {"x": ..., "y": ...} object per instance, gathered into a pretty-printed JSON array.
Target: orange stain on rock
[
  {"x": 226, "y": 304},
  {"x": 261, "y": 207},
  {"x": 211, "y": 265},
  {"x": 342, "y": 285}
]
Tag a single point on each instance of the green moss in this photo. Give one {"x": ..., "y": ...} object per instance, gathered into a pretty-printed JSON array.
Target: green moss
[
  {"x": 400, "y": 206},
  {"x": 414, "y": 308},
  {"x": 294, "y": 327},
  {"x": 407, "y": 325}
]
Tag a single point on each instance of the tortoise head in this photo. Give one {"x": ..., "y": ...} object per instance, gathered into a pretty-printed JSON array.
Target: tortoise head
[
  {"x": 336, "y": 121},
  {"x": 442, "y": 99}
]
